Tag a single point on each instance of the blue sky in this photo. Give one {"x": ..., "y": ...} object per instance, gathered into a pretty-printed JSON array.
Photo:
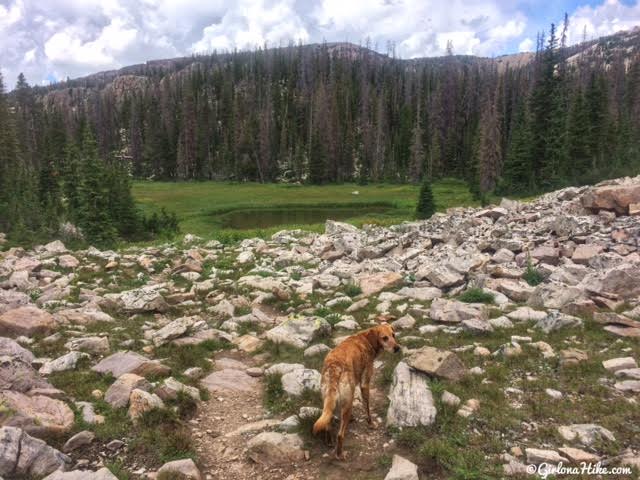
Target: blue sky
[{"x": 55, "y": 39}]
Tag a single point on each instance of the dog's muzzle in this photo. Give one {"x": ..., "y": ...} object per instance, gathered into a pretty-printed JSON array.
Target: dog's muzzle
[{"x": 396, "y": 349}]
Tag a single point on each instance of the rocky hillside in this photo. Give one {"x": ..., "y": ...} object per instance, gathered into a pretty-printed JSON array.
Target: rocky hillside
[{"x": 519, "y": 327}]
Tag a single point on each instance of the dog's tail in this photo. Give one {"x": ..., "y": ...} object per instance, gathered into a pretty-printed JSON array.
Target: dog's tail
[{"x": 331, "y": 382}]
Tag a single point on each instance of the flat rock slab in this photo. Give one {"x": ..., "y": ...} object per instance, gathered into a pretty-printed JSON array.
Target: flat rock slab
[
  {"x": 26, "y": 321},
  {"x": 437, "y": 363},
  {"x": 37, "y": 415},
  {"x": 371, "y": 284},
  {"x": 622, "y": 363},
  {"x": 423, "y": 294},
  {"x": 129, "y": 362},
  {"x": 298, "y": 331},
  {"x": 272, "y": 448},
  {"x": 83, "y": 316},
  {"x": 615, "y": 198},
  {"x": 230, "y": 380}
]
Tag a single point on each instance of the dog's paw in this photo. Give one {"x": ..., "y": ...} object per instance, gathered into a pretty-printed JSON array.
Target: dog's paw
[{"x": 342, "y": 456}]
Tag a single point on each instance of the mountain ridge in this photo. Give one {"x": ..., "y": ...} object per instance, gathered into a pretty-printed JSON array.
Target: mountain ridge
[{"x": 621, "y": 39}]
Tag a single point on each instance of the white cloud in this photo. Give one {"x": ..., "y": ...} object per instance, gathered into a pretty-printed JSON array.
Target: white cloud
[
  {"x": 526, "y": 45},
  {"x": 73, "y": 46},
  {"x": 10, "y": 15},
  {"x": 30, "y": 55},
  {"x": 606, "y": 19},
  {"x": 252, "y": 23},
  {"x": 77, "y": 37}
]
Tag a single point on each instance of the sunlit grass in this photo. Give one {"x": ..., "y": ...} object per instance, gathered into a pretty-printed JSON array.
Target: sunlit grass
[{"x": 198, "y": 205}]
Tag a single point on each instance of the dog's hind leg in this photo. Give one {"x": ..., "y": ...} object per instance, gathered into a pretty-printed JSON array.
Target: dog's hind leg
[
  {"x": 365, "y": 391},
  {"x": 345, "y": 417}
]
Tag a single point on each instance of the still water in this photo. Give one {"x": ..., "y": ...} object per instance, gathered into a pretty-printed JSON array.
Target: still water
[{"x": 264, "y": 218}]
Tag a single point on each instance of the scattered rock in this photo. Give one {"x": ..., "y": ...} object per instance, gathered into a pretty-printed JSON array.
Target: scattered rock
[
  {"x": 536, "y": 456},
  {"x": 141, "y": 402},
  {"x": 171, "y": 387},
  {"x": 402, "y": 469},
  {"x": 80, "y": 439},
  {"x": 179, "y": 470},
  {"x": 27, "y": 321},
  {"x": 273, "y": 448},
  {"x": 585, "y": 433},
  {"x": 63, "y": 363},
  {"x": 102, "y": 474},
  {"x": 469, "y": 408},
  {"x": 117, "y": 395},
  {"x": 623, "y": 363},
  {"x": 23, "y": 455},
  {"x": 37, "y": 415}
]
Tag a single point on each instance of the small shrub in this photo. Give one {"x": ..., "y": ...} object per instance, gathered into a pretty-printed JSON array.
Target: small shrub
[
  {"x": 476, "y": 295},
  {"x": 275, "y": 398},
  {"x": 352, "y": 289},
  {"x": 532, "y": 275}
]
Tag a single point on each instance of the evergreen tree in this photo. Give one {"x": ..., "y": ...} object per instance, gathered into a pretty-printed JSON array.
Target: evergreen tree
[
  {"x": 517, "y": 173},
  {"x": 122, "y": 209},
  {"x": 578, "y": 138},
  {"x": 426, "y": 204},
  {"x": 490, "y": 150},
  {"x": 71, "y": 182},
  {"x": 95, "y": 219},
  {"x": 317, "y": 160}
]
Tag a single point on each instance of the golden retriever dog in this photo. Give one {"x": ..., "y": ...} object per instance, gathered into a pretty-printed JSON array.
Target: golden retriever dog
[{"x": 348, "y": 365}]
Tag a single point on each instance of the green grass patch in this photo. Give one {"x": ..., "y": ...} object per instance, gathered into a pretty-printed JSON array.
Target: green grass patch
[
  {"x": 476, "y": 295},
  {"x": 161, "y": 436},
  {"x": 80, "y": 383},
  {"x": 204, "y": 207},
  {"x": 179, "y": 358}
]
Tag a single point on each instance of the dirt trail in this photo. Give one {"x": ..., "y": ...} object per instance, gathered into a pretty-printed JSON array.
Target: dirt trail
[{"x": 222, "y": 454}]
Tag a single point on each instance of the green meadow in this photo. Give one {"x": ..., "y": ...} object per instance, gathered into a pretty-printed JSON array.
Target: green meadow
[{"x": 232, "y": 211}]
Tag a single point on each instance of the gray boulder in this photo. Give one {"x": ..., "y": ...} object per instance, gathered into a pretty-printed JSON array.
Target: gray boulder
[
  {"x": 410, "y": 400},
  {"x": 23, "y": 455}
]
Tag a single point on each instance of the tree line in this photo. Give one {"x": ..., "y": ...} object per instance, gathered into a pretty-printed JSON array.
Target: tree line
[
  {"x": 332, "y": 113},
  {"x": 63, "y": 187}
]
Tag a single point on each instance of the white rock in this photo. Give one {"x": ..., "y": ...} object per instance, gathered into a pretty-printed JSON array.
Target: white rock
[
  {"x": 402, "y": 469},
  {"x": 411, "y": 402}
]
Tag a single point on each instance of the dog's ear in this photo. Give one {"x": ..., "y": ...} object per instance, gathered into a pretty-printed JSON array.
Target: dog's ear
[{"x": 372, "y": 336}]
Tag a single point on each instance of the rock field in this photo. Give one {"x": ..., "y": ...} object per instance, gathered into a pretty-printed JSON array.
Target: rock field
[{"x": 519, "y": 326}]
